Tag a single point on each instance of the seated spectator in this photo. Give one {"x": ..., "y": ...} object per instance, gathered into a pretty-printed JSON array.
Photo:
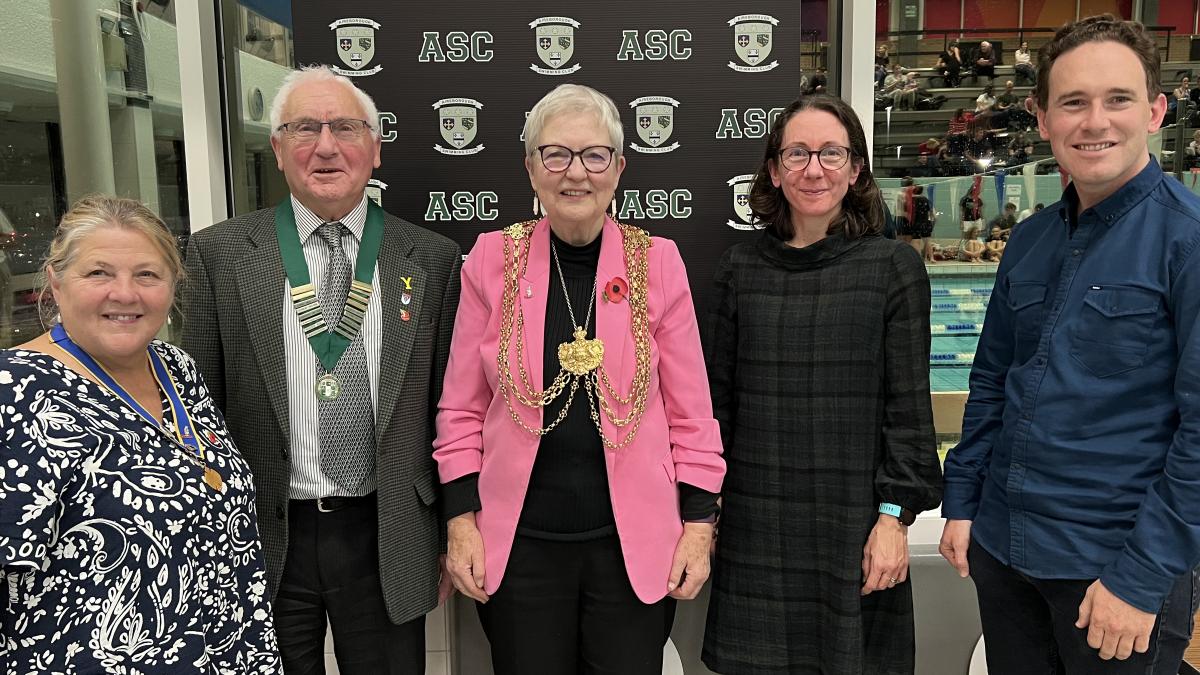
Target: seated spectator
[
  {"x": 929, "y": 147},
  {"x": 1006, "y": 106},
  {"x": 994, "y": 246},
  {"x": 1180, "y": 99},
  {"x": 882, "y": 63},
  {"x": 942, "y": 253},
  {"x": 985, "y": 101},
  {"x": 1023, "y": 64},
  {"x": 984, "y": 64},
  {"x": 895, "y": 88},
  {"x": 818, "y": 82},
  {"x": 949, "y": 64},
  {"x": 971, "y": 250},
  {"x": 1020, "y": 147},
  {"x": 927, "y": 166}
]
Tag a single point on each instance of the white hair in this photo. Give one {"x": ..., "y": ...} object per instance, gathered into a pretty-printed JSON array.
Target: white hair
[
  {"x": 320, "y": 73},
  {"x": 574, "y": 98}
]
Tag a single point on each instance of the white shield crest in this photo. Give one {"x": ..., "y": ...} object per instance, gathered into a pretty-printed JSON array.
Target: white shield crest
[
  {"x": 752, "y": 41},
  {"x": 741, "y": 202},
  {"x": 458, "y": 124},
  {"x": 555, "y": 44},
  {"x": 362, "y": 45},
  {"x": 655, "y": 122}
]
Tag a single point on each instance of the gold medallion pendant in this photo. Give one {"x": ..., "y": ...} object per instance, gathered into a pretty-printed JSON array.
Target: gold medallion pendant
[
  {"x": 213, "y": 479},
  {"x": 581, "y": 356}
]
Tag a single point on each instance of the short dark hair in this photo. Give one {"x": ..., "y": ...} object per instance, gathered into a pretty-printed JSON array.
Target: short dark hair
[
  {"x": 862, "y": 207},
  {"x": 1010, "y": 207},
  {"x": 1100, "y": 28}
]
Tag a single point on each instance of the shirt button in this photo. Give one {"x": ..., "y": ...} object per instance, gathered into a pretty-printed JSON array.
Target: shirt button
[
  {"x": 1041, "y": 361},
  {"x": 283, "y": 453},
  {"x": 279, "y": 512},
  {"x": 1075, "y": 253}
]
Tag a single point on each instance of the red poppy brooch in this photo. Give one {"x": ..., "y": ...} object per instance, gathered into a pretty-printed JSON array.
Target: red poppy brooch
[{"x": 616, "y": 290}]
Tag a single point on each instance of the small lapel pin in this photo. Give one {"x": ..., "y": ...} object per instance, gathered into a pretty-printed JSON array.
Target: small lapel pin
[
  {"x": 616, "y": 290},
  {"x": 529, "y": 291},
  {"x": 404, "y": 315},
  {"x": 405, "y": 298}
]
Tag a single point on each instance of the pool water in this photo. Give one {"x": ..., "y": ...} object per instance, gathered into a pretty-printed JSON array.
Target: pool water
[{"x": 960, "y": 296}]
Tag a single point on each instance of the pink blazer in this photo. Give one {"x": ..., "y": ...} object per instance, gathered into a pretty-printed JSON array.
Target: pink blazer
[{"x": 678, "y": 438}]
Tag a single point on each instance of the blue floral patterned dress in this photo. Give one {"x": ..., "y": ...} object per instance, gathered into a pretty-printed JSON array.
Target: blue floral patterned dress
[{"x": 115, "y": 556}]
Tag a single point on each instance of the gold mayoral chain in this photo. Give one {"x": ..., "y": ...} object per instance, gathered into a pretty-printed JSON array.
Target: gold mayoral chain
[{"x": 580, "y": 359}]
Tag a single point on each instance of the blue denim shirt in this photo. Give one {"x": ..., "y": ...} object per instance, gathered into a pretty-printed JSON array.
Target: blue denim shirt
[{"x": 1080, "y": 451}]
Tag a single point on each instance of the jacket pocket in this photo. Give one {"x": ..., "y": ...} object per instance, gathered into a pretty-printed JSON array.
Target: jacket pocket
[
  {"x": 426, "y": 489},
  {"x": 1113, "y": 329}
]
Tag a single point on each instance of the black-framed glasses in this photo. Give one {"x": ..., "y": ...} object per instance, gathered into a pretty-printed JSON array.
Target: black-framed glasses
[
  {"x": 307, "y": 131},
  {"x": 831, "y": 157},
  {"x": 594, "y": 158}
]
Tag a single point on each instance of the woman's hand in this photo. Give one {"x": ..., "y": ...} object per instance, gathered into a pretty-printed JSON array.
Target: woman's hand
[
  {"x": 885, "y": 557},
  {"x": 690, "y": 567},
  {"x": 464, "y": 556}
]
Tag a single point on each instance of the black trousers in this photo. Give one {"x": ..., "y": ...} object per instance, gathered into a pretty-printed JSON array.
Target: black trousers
[
  {"x": 1029, "y": 624},
  {"x": 332, "y": 569},
  {"x": 566, "y": 608}
]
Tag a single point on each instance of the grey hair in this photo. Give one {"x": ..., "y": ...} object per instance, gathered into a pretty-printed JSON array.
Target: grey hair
[
  {"x": 574, "y": 98},
  {"x": 320, "y": 73}
]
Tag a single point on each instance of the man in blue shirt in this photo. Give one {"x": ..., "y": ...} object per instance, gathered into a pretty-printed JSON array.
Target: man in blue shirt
[{"x": 1073, "y": 500}]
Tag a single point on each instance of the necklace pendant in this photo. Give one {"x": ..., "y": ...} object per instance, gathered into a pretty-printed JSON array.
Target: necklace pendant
[
  {"x": 581, "y": 356},
  {"x": 213, "y": 479}
]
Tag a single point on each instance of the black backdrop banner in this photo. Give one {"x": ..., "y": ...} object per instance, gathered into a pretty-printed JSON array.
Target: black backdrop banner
[{"x": 697, "y": 84}]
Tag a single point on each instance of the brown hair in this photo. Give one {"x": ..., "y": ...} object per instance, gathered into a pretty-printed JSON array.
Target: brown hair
[
  {"x": 1100, "y": 28},
  {"x": 862, "y": 207},
  {"x": 85, "y": 218}
]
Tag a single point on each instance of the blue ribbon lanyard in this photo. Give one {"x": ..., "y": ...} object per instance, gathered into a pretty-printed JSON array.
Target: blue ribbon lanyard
[{"x": 184, "y": 435}]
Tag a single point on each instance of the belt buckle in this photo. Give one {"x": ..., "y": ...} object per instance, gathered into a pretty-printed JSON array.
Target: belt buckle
[{"x": 321, "y": 508}]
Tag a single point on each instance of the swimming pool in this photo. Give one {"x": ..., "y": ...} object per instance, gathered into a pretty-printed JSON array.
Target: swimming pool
[{"x": 960, "y": 296}]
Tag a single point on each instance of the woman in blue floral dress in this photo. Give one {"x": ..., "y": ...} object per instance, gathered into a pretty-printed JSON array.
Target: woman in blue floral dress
[{"x": 128, "y": 535}]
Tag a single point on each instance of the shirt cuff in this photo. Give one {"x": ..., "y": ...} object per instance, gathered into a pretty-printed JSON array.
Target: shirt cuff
[
  {"x": 1136, "y": 584},
  {"x": 959, "y": 502},
  {"x": 460, "y": 496},
  {"x": 697, "y": 505}
]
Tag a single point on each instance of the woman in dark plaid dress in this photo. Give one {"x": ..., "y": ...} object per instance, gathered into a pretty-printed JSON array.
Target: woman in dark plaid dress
[{"x": 818, "y": 350}]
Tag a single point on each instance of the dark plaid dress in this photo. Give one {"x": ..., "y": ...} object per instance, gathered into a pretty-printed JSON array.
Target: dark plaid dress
[{"x": 818, "y": 359}]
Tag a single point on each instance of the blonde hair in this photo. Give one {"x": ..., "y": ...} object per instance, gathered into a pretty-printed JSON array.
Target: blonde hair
[{"x": 92, "y": 213}]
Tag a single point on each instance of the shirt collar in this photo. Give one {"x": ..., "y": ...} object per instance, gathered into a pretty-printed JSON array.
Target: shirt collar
[
  {"x": 307, "y": 222},
  {"x": 1113, "y": 207}
]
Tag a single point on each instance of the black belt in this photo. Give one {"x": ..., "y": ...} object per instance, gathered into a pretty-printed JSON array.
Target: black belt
[{"x": 331, "y": 504}]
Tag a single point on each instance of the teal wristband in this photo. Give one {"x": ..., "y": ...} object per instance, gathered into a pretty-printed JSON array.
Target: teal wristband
[{"x": 890, "y": 509}]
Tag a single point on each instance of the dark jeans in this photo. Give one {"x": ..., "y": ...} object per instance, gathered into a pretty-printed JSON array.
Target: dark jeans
[
  {"x": 1029, "y": 624},
  {"x": 332, "y": 568},
  {"x": 566, "y": 608}
]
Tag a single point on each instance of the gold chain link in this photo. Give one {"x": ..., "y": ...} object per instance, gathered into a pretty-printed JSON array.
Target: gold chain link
[{"x": 636, "y": 243}]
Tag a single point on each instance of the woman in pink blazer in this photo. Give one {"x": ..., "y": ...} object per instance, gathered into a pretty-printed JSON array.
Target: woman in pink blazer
[{"x": 575, "y": 438}]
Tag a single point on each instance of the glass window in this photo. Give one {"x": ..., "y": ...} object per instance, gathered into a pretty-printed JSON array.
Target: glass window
[
  {"x": 258, "y": 61},
  {"x": 65, "y": 133}
]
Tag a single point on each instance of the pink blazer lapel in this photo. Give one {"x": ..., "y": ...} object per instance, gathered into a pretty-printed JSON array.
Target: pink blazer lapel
[
  {"x": 612, "y": 318},
  {"x": 534, "y": 290}
]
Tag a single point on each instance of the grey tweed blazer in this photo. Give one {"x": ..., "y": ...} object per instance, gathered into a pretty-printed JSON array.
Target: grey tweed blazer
[{"x": 233, "y": 327}]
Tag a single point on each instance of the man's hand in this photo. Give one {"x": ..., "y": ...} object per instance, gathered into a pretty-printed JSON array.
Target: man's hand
[
  {"x": 885, "y": 557},
  {"x": 464, "y": 556},
  {"x": 689, "y": 568},
  {"x": 956, "y": 538},
  {"x": 1114, "y": 626}
]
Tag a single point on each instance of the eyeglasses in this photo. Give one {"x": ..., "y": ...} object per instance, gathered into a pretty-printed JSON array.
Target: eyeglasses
[
  {"x": 307, "y": 131},
  {"x": 831, "y": 157},
  {"x": 594, "y": 158}
]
